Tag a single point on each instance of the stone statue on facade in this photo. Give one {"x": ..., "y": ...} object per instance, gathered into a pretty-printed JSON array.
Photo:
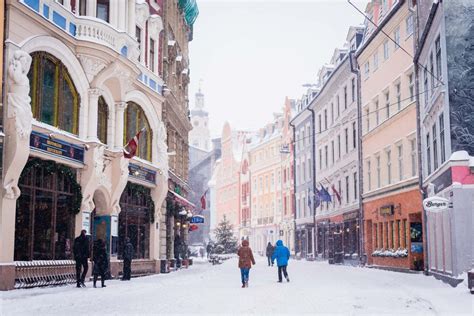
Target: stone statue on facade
[
  {"x": 17, "y": 123},
  {"x": 162, "y": 148}
]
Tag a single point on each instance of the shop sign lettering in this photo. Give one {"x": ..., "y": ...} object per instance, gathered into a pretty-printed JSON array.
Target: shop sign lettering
[
  {"x": 386, "y": 210},
  {"x": 435, "y": 204}
]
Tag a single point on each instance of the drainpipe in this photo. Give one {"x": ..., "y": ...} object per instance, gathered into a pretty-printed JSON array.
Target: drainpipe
[
  {"x": 313, "y": 144},
  {"x": 294, "y": 183},
  {"x": 355, "y": 70}
]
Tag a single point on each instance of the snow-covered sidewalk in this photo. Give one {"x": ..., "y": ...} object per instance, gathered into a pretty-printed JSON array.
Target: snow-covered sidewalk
[{"x": 315, "y": 288}]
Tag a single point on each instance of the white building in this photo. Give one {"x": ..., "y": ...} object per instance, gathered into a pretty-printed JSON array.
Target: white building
[{"x": 200, "y": 136}]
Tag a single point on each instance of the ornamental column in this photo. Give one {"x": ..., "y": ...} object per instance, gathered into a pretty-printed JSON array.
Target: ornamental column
[
  {"x": 94, "y": 95},
  {"x": 119, "y": 123}
]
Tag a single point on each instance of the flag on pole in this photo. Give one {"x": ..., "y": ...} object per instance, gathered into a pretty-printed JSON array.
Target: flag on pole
[
  {"x": 325, "y": 196},
  {"x": 203, "y": 200},
  {"x": 130, "y": 150},
  {"x": 337, "y": 193},
  {"x": 317, "y": 198}
]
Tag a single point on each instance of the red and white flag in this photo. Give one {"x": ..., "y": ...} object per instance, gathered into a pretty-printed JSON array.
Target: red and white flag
[
  {"x": 203, "y": 200},
  {"x": 130, "y": 149}
]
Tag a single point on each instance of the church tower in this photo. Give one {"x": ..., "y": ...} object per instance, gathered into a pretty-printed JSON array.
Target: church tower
[{"x": 199, "y": 136}]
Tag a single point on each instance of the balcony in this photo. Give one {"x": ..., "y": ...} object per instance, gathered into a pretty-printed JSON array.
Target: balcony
[{"x": 85, "y": 28}]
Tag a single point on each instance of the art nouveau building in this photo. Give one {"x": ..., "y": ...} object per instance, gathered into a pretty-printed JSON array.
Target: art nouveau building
[
  {"x": 337, "y": 155},
  {"x": 84, "y": 78},
  {"x": 393, "y": 234}
]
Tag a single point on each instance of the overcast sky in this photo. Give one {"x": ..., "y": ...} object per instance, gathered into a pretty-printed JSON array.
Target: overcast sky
[{"x": 251, "y": 54}]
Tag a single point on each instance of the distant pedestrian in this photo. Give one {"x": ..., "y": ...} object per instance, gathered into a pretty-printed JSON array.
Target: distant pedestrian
[
  {"x": 245, "y": 262},
  {"x": 99, "y": 257},
  {"x": 209, "y": 249},
  {"x": 177, "y": 250},
  {"x": 269, "y": 253},
  {"x": 81, "y": 254},
  {"x": 282, "y": 255},
  {"x": 127, "y": 256},
  {"x": 201, "y": 252}
]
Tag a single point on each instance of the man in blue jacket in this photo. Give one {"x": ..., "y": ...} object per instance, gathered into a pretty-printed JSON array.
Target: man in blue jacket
[{"x": 282, "y": 255}]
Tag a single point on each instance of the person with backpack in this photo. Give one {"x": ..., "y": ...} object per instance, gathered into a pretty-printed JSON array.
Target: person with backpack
[
  {"x": 245, "y": 262},
  {"x": 269, "y": 253},
  {"x": 282, "y": 255}
]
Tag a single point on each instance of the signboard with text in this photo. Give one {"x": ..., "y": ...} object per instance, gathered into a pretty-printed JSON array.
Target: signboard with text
[
  {"x": 198, "y": 219},
  {"x": 386, "y": 210},
  {"x": 56, "y": 147}
]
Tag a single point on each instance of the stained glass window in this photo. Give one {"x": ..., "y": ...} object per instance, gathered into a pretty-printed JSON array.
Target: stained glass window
[
  {"x": 103, "y": 115},
  {"x": 135, "y": 120},
  {"x": 54, "y": 98}
]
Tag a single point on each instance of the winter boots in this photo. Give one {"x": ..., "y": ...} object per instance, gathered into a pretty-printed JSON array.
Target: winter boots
[{"x": 245, "y": 284}]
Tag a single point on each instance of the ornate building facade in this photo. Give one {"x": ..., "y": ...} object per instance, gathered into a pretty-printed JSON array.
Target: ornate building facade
[{"x": 200, "y": 136}]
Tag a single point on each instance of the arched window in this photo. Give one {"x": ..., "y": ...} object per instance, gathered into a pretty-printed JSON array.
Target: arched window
[
  {"x": 102, "y": 120},
  {"x": 54, "y": 98},
  {"x": 135, "y": 120}
]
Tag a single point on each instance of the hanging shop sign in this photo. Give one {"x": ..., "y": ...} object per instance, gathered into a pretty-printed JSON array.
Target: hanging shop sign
[
  {"x": 142, "y": 173},
  {"x": 44, "y": 143},
  {"x": 197, "y": 219},
  {"x": 435, "y": 204},
  {"x": 386, "y": 210}
]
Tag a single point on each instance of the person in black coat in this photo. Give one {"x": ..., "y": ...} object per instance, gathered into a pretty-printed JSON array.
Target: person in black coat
[
  {"x": 177, "y": 250},
  {"x": 127, "y": 256},
  {"x": 81, "y": 254},
  {"x": 269, "y": 253},
  {"x": 100, "y": 261}
]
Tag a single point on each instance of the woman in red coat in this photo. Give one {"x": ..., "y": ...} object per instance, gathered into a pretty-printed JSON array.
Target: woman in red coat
[{"x": 245, "y": 262}]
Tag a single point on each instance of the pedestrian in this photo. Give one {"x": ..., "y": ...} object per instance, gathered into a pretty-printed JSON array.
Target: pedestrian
[
  {"x": 209, "y": 249},
  {"x": 99, "y": 257},
  {"x": 269, "y": 253},
  {"x": 282, "y": 255},
  {"x": 245, "y": 262},
  {"x": 177, "y": 250},
  {"x": 201, "y": 252},
  {"x": 81, "y": 254},
  {"x": 127, "y": 256}
]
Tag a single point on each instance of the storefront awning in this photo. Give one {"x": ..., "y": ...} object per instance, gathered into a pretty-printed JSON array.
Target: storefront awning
[
  {"x": 182, "y": 200},
  {"x": 190, "y": 10}
]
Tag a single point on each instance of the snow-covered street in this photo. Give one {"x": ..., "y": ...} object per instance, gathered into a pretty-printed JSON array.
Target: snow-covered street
[{"x": 315, "y": 288}]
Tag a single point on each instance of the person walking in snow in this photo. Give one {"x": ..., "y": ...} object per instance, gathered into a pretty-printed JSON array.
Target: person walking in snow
[
  {"x": 127, "y": 256},
  {"x": 269, "y": 253},
  {"x": 245, "y": 262},
  {"x": 81, "y": 254},
  {"x": 99, "y": 257},
  {"x": 282, "y": 255}
]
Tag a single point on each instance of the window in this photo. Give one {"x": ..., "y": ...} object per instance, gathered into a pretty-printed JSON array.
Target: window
[
  {"x": 376, "y": 60},
  {"x": 354, "y": 135},
  {"x": 325, "y": 119},
  {"x": 377, "y": 159},
  {"x": 308, "y": 138},
  {"x": 376, "y": 237},
  {"x": 319, "y": 123},
  {"x": 103, "y": 9},
  {"x": 428, "y": 153},
  {"x": 400, "y": 162},
  {"x": 367, "y": 118},
  {"x": 339, "y": 186},
  {"x": 389, "y": 166},
  {"x": 439, "y": 73},
  {"x": 54, "y": 98},
  {"x": 413, "y": 157},
  {"x": 355, "y": 185},
  {"x": 332, "y": 113},
  {"x": 338, "y": 106},
  {"x": 369, "y": 175},
  {"x": 367, "y": 69},
  {"x": 425, "y": 85},
  {"x": 135, "y": 120},
  {"x": 83, "y": 7},
  {"x": 432, "y": 73},
  {"x": 385, "y": 50},
  {"x": 303, "y": 171},
  {"x": 332, "y": 152},
  {"x": 102, "y": 120},
  {"x": 377, "y": 116},
  {"x": 399, "y": 96},
  {"x": 345, "y": 98},
  {"x": 435, "y": 148},
  {"x": 338, "y": 147},
  {"x": 309, "y": 169},
  {"x": 138, "y": 36},
  {"x": 152, "y": 54},
  {"x": 347, "y": 189},
  {"x": 320, "y": 159},
  {"x": 441, "y": 138},
  {"x": 346, "y": 137},
  {"x": 411, "y": 87},
  {"x": 396, "y": 37},
  {"x": 387, "y": 104},
  {"x": 409, "y": 25},
  {"x": 326, "y": 155},
  {"x": 353, "y": 89}
]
